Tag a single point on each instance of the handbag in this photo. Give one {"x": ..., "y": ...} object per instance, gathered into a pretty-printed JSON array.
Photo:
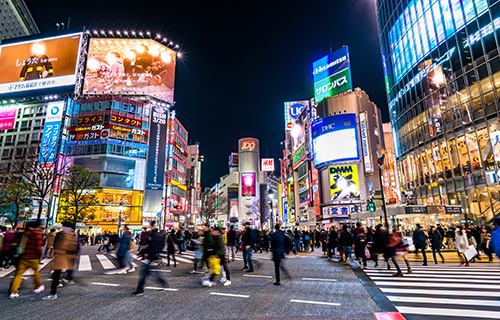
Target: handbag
[
  {"x": 214, "y": 263},
  {"x": 367, "y": 253},
  {"x": 470, "y": 253}
]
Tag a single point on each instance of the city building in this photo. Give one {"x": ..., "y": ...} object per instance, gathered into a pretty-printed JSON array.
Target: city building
[
  {"x": 193, "y": 180},
  {"x": 16, "y": 20},
  {"x": 442, "y": 73}
]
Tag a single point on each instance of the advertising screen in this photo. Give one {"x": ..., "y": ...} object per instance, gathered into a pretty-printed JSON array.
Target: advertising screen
[
  {"x": 332, "y": 74},
  {"x": 39, "y": 64},
  {"x": 248, "y": 184},
  {"x": 344, "y": 183},
  {"x": 335, "y": 138},
  {"x": 130, "y": 66},
  {"x": 8, "y": 117},
  {"x": 292, "y": 112}
]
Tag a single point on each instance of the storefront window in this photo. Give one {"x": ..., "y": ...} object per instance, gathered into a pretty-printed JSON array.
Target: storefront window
[
  {"x": 495, "y": 141},
  {"x": 446, "y": 160},
  {"x": 454, "y": 157},
  {"x": 485, "y": 147},
  {"x": 474, "y": 151},
  {"x": 437, "y": 160},
  {"x": 462, "y": 153}
]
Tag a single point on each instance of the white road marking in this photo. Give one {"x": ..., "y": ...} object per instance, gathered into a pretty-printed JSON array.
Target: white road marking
[
  {"x": 489, "y": 303},
  {"x": 415, "y": 274},
  {"x": 106, "y": 264},
  {"x": 105, "y": 284},
  {"x": 40, "y": 266},
  {"x": 440, "y": 280},
  {"x": 464, "y": 271},
  {"x": 455, "y": 268},
  {"x": 230, "y": 295},
  {"x": 5, "y": 272},
  {"x": 84, "y": 264},
  {"x": 450, "y": 312},
  {"x": 160, "y": 270},
  {"x": 442, "y": 292},
  {"x": 435, "y": 285},
  {"x": 256, "y": 276},
  {"x": 180, "y": 259},
  {"x": 315, "y": 279},
  {"x": 160, "y": 288},
  {"x": 316, "y": 302}
]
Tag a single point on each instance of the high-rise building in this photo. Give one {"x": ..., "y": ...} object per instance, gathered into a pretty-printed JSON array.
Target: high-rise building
[
  {"x": 193, "y": 177},
  {"x": 442, "y": 74},
  {"x": 16, "y": 20}
]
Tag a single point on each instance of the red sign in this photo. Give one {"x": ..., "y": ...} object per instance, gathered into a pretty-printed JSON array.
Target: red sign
[
  {"x": 267, "y": 165},
  {"x": 247, "y": 145}
]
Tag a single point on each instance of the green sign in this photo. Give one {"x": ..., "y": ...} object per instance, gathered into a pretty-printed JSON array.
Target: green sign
[
  {"x": 333, "y": 85},
  {"x": 301, "y": 154}
]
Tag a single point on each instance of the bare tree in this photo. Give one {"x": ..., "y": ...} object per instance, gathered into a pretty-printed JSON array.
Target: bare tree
[
  {"x": 214, "y": 205},
  {"x": 261, "y": 211},
  {"x": 77, "y": 196}
]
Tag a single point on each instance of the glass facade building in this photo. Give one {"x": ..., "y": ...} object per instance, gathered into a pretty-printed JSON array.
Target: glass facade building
[{"x": 442, "y": 74}]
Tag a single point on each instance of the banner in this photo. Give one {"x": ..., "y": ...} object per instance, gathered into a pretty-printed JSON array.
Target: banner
[
  {"x": 365, "y": 143},
  {"x": 155, "y": 171},
  {"x": 344, "y": 183},
  {"x": 332, "y": 74},
  {"x": 51, "y": 130}
]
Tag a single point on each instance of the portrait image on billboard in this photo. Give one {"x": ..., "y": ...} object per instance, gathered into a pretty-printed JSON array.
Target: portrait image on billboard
[
  {"x": 39, "y": 64},
  {"x": 344, "y": 183},
  {"x": 332, "y": 74},
  {"x": 130, "y": 66},
  {"x": 248, "y": 184},
  {"x": 335, "y": 138}
]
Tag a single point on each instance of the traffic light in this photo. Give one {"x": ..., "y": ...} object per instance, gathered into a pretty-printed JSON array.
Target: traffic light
[{"x": 371, "y": 206}]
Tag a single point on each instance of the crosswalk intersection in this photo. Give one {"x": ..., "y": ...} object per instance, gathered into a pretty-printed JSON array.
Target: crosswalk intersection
[{"x": 443, "y": 291}]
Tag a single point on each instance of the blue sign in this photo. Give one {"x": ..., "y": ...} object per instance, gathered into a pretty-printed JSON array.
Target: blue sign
[
  {"x": 51, "y": 131},
  {"x": 332, "y": 74},
  {"x": 158, "y": 214},
  {"x": 296, "y": 109}
]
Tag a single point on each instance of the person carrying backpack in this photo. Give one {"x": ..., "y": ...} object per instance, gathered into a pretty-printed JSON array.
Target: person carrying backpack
[
  {"x": 360, "y": 244},
  {"x": 345, "y": 242}
]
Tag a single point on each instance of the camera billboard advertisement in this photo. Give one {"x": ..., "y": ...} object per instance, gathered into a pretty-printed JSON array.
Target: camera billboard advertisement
[
  {"x": 39, "y": 64},
  {"x": 130, "y": 66}
]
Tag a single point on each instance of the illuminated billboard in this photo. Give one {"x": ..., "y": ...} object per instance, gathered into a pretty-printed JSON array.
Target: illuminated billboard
[
  {"x": 344, "y": 183},
  {"x": 267, "y": 164},
  {"x": 248, "y": 184},
  {"x": 335, "y": 138},
  {"x": 292, "y": 112},
  {"x": 332, "y": 74},
  {"x": 8, "y": 117},
  {"x": 39, "y": 64},
  {"x": 51, "y": 130},
  {"x": 130, "y": 66}
]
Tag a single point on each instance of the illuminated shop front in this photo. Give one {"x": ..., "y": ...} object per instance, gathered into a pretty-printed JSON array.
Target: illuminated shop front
[
  {"x": 108, "y": 212},
  {"x": 442, "y": 71}
]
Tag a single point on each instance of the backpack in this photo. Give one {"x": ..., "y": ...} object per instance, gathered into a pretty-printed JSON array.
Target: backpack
[
  {"x": 307, "y": 237},
  {"x": 361, "y": 238}
]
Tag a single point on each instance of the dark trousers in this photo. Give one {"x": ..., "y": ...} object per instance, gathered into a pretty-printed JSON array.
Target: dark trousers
[
  {"x": 360, "y": 253},
  {"x": 421, "y": 248},
  {"x": 145, "y": 272},
  {"x": 56, "y": 276},
  {"x": 170, "y": 253},
  {"x": 121, "y": 262},
  {"x": 395, "y": 263},
  {"x": 278, "y": 266}
]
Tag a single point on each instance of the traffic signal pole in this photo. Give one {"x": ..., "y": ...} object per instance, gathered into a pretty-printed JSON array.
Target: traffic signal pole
[{"x": 380, "y": 164}]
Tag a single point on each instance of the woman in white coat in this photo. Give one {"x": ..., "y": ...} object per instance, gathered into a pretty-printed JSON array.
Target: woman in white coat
[{"x": 462, "y": 244}]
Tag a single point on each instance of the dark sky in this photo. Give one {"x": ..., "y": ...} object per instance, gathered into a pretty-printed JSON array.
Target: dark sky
[{"x": 241, "y": 59}]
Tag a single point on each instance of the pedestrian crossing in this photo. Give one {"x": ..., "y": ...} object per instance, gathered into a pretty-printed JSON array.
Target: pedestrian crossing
[
  {"x": 101, "y": 261},
  {"x": 442, "y": 291}
]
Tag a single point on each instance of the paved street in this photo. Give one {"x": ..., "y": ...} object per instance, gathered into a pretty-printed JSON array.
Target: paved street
[{"x": 319, "y": 289}]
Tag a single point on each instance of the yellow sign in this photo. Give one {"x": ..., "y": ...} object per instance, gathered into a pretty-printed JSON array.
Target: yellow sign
[
  {"x": 344, "y": 183},
  {"x": 175, "y": 183}
]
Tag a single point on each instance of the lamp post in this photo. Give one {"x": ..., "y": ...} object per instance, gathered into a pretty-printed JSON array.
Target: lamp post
[
  {"x": 120, "y": 217},
  {"x": 271, "y": 198}
]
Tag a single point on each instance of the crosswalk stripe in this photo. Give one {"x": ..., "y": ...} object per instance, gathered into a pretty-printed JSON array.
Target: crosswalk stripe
[
  {"x": 444, "y": 272},
  {"x": 106, "y": 264},
  {"x": 5, "y": 272},
  {"x": 442, "y": 292},
  {"x": 456, "y": 269},
  {"x": 435, "y": 285},
  {"x": 462, "y": 313},
  {"x": 410, "y": 278},
  {"x": 416, "y": 274},
  {"x": 84, "y": 264},
  {"x": 469, "y": 302},
  {"x": 44, "y": 263}
]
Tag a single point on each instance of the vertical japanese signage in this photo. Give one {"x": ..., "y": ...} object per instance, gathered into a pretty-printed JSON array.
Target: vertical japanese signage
[
  {"x": 51, "y": 130},
  {"x": 364, "y": 143},
  {"x": 157, "y": 146},
  {"x": 332, "y": 74}
]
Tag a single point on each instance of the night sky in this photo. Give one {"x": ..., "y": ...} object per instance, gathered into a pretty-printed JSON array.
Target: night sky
[{"x": 241, "y": 59}]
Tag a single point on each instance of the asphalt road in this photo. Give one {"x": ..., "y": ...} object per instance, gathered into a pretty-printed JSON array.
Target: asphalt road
[{"x": 319, "y": 289}]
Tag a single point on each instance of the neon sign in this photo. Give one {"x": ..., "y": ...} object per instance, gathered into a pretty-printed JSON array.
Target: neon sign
[{"x": 248, "y": 145}]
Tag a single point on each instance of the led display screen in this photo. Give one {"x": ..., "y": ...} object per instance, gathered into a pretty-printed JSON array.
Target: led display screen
[
  {"x": 248, "y": 184},
  {"x": 335, "y": 138},
  {"x": 292, "y": 112},
  {"x": 424, "y": 25},
  {"x": 332, "y": 74},
  {"x": 8, "y": 117},
  {"x": 39, "y": 64},
  {"x": 130, "y": 66}
]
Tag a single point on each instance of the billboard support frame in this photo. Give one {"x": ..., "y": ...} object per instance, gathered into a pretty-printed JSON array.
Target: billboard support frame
[{"x": 82, "y": 63}]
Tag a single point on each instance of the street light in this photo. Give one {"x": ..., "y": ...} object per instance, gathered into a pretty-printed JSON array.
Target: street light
[
  {"x": 120, "y": 217},
  {"x": 271, "y": 197}
]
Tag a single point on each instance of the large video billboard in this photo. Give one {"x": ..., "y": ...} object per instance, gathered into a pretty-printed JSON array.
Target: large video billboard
[
  {"x": 248, "y": 184},
  {"x": 39, "y": 64},
  {"x": 292, "y": 112},
  {"x": 335, "y": 138},
  {"x": 332, "y": 74},
  {"x": 130, "y": 66}
]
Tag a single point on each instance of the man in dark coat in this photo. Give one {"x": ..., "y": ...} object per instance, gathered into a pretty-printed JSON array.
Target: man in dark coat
[
  {"x": 419, "y": 240},
  {"x": 278, "y": 243}
]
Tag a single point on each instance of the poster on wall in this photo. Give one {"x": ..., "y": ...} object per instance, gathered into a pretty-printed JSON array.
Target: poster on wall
[
  {"x": 344, "y": 183},
  {"x": 130, "y": 66},
  {"x": 248, "y": 184},
  {"x": 155, "y": 170},
  {"x": 39, "y": 64},
  {"x": 495, "y": 142}
]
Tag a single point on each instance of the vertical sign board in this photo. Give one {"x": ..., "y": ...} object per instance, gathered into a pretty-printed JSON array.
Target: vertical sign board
[
  {"x": 51, "y": 130},
  {"x": 332, "y": 74},
  {"x": 157, "y": 147},
  {"x": 364, "y": 143},
  {"x": 292, "y": 112}
]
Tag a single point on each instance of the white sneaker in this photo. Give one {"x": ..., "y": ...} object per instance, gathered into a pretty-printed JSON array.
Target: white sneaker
[
  {"x": 194, "y": 271},
  {"x": 50, "y": 297},
  {"x": 14, "y": 295},
  {"x": 227, "y": 283},
  {"x": 131, "y": 270},
  {"x": 39, "y": 289},
  {"x": 122, "y": 271},
  {"x": 223, "y": 279},
  {"x": 207, "y": 283}
]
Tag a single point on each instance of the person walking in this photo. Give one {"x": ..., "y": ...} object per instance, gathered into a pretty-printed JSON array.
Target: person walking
[
  {"x": 218, "y": 252},
  {"x": 332, "y": 243},
  {"x": 346, "y": 243},
  {"x": 65, "y": 248},
  {"x": 495, "y": 236},
  {"x": 154, "y": 247},
  {"x": 393, "y": 243},
  {"x": 171, "y": 248},
  {"x": 436, "y": 243},
  {"x": 419, "y": 240},
  {"x": 279, "y": 243},
  {"x": 296, "y": 241},
  {"x": 231, "y": 243},
  {"x": 180, "y": 236},
  {"x": 462, "y": 244},
  {"x": 123, "y": 252},
  {"x": 486, "y": 242},
  {"x": 380, "y": 240},
  {"x": 248, "y": 242},
  {"x": 402, "y": 249},
  {"x": 30, "y": 251},
  {"x": 196, "y": 242},
  {"x": 49, "y": 245},
  {"x": 360, "y": 243}
]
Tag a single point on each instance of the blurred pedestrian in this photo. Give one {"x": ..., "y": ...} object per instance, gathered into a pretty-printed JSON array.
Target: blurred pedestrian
[
  {"x": 231, "y": 243},
  {"x": 279, "y": 243},
  {"x": 49, "y": 244},
  {"x": 420, "y": 242},
  {"x": 218, "y": 253},
  {"x": 171, "y": 248},
  {"x": 436, "y": 243},
  {"x": 248, "y": 239},
  {"x": 346, "y": 243}
]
